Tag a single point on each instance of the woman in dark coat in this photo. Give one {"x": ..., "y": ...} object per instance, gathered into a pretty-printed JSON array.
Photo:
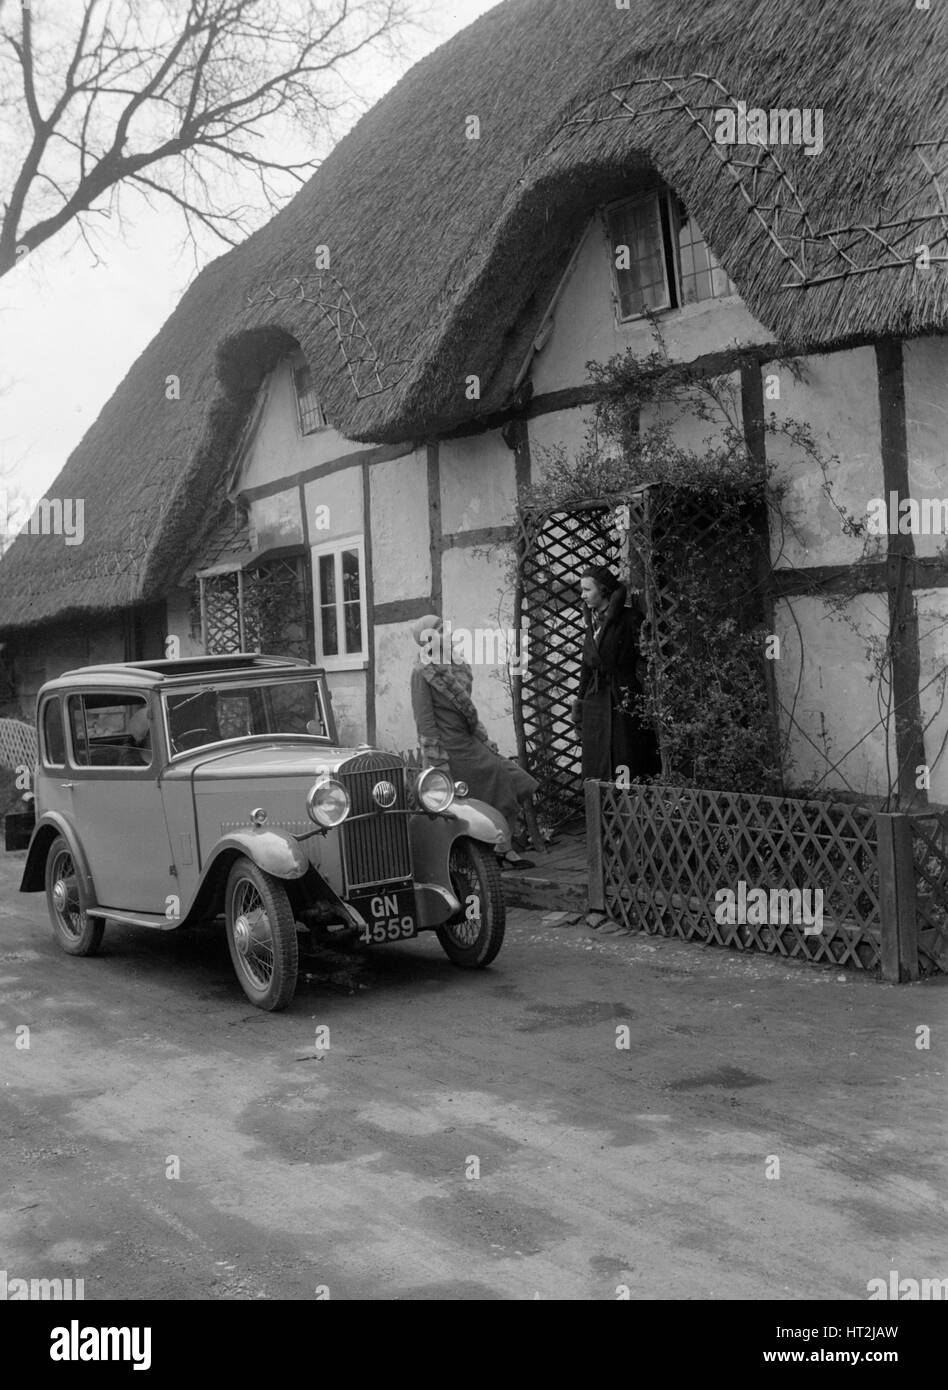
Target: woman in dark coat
[
  {"x": 614, "y": 734},
  {"x": 452, "y": 737}
]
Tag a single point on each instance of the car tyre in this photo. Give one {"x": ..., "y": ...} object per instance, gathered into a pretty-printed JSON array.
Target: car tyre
[
  {"x": 75, "y": 931},
  {"x": 261, "y": 935},
  {"x": 473, "y": 942}
]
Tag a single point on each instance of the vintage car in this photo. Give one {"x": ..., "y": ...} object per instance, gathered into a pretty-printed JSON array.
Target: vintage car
[{"x": 173, "y": 792}]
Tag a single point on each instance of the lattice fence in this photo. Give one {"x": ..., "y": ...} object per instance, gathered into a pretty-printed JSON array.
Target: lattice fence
[
  {"x": 17, "y": 744},
  {"x": 930, "y": 862},
  {"x": 660, "y": 857}
]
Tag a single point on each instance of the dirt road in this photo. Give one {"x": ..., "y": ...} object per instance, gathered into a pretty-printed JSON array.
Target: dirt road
[{"x": 464, "y": 1135}]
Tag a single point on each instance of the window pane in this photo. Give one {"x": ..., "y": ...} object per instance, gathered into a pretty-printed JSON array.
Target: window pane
[
  {"x": 701, "y": 275},
  {"x": 110, "y": 730},
  {"x": 54, "y": 738},
  {"x": 330, "y": 634},
  {"x": 350, "y": 575},
  {"x": 327, "y": 579},
  {"x": 643, "y": 285},
  {"x": 353, "y": 620},
  {"x": 310, "y": 411},
  {"x": 78, "y": 729}
]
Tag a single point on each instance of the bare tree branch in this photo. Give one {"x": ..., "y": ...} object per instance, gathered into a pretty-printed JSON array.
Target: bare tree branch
[{"x": 193, "y": 86}]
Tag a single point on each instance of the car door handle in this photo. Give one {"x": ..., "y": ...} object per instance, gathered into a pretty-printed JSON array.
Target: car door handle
[{"x": 67, "y": 784}]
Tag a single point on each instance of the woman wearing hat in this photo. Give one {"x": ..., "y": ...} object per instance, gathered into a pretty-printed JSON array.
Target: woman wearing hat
[
  {"x": 452, "y": 737},
  {"x": 614, "y": 734}
]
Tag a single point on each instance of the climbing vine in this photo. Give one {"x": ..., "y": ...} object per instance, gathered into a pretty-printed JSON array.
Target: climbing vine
[{"x": 717, "y": 522}]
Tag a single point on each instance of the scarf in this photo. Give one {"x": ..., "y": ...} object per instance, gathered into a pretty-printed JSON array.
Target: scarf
[{"x": 454, "y": 681}]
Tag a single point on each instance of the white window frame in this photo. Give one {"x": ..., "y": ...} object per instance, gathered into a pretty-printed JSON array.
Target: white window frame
[
  {"x": 653, "y": 196},
  {"x": 298, "y": 364},
  {"x": 343, "y": 661},
  {"x": 673, "y": 274}
]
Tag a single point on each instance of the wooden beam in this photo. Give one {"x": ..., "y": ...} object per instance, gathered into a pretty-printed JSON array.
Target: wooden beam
[
  {"x": 435, "y": 532},
  {"x": 405, "y": 610},
  {"x": 523, "y": 472},
  {"x": 482, "y": 535},
  {"x": 903, "y": 617},
  {"x": 921, "y": 572},
  {"x": 383, "y": 453},
  {"x": 755, "y": 436},
  {"x": 594, "y": 864},
  {"x": 370, "y": 710}
]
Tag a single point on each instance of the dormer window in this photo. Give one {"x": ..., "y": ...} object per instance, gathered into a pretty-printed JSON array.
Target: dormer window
[
  {"x": 660, "y": 259},
  {"x": 311, "y": 414}
]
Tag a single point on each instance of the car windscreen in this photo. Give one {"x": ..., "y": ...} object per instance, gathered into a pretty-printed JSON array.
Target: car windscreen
[{"x": 211, "y": 713}]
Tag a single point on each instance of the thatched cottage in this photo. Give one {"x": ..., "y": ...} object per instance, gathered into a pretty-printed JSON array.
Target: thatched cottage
[{"x": 349, "y": 405}]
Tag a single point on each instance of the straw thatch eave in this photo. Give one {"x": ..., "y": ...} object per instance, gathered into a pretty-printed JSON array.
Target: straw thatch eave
[{"x": 445, "y": 250}]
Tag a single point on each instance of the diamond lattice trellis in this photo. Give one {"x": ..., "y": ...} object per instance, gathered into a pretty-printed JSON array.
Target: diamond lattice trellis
[
  {"x": 650, "y": 537},
  {"x": 555, "y": 547},
  {"x": 683, "y": 845},
  {"x": 277, "y": 608},
  {"x": 221, "y": 604}
]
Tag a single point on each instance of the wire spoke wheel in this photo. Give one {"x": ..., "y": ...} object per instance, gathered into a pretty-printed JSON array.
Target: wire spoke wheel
[
  {"x": 261, "y": 935},
  {"x": 77, "y": 933},
  {"x": 474, "y": 935}
]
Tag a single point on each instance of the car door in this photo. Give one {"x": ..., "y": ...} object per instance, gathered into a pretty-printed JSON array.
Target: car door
[{"x": 112, "y": 784}]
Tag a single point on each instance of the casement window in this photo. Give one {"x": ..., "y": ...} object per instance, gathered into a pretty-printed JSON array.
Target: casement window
[
  {"x": 311, "y": 414},
  {"x": 262, "y": 604},
  {"x": 339, "y": 577},
  {"x": 660, "y": 259}
]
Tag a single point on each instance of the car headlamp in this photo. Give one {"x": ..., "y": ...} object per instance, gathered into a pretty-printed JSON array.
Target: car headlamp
[
  {"x": 434, "y": 789},
  {"x": 327, "y": 802}
]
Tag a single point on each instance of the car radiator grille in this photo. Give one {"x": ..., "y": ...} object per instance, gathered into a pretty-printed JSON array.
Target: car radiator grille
[{"x": 375, "y": 850}]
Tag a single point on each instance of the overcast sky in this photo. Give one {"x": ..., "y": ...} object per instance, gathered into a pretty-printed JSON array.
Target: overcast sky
[{"x": 70, "y": 329}]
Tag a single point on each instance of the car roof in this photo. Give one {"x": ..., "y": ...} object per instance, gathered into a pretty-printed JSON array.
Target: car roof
[{"x": 164, "y": 673}]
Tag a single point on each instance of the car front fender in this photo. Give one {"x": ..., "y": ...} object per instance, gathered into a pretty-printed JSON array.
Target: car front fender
[
  {"x": 433, "y": 836},
  {"x": 49, "y": 825},
  {"x": 274, "y": 851}
]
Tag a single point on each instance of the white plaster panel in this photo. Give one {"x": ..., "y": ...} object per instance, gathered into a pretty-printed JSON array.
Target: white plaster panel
[
  {"x": 394, "y": 654},
  {"x": 838, "y": 398},
  {"x": 687, "y": 430},
  {"x": 477, "y": 593},
  {"x": 401, "y": 563},
  {"x": 478, "y": 482},
  {"x": 926, "y": 425},
  {"x": 585, "y": 327},
  {"x": 836, "y": 703},
  {"x": 278, "y": 450},
  {"x": 334, "y": 505},
  {"x": 933, "y": 685},
  {"x": 560, "y": 427}
]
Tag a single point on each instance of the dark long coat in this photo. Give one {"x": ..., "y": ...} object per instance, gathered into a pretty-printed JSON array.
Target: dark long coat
[{"x": 614, "y": 734}]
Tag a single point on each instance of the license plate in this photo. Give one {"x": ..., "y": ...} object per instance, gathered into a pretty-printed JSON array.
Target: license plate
[{"x": 389, "y": 916}]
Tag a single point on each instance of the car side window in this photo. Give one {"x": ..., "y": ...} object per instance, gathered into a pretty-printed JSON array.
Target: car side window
[
  {"x": 54, "y": 735},
  {"x": 110, "y": 729}
]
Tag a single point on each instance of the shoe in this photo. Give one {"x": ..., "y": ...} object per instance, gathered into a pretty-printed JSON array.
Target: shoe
[{"x": 506, "y": 862}]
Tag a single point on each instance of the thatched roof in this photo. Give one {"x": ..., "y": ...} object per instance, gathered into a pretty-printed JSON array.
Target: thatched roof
[{"x": 444, "y": 248}]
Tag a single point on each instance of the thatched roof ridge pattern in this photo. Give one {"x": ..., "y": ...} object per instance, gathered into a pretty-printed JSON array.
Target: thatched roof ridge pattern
[{"x": 444, "y": 250}]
